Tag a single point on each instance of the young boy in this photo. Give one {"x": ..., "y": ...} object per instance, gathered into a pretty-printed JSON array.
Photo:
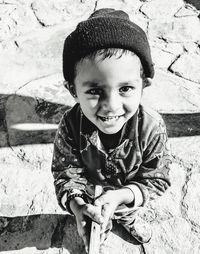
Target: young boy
[{"x": 108, "y": 138}]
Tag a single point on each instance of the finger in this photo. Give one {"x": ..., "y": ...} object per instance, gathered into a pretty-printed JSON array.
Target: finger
[
  {"x": 93, "y": 212},
  {"x": 108, "y": 226},
  {"x": 102, "y": 238},
  {"x": 86, "y": 242},
  {"x": 107, "y": 214},
  {"x": 100, "y": 201},
  {"x": 84, "y": 230},
  {"x": 104, "y": 235},
  {"x": 107, "y": 197}
]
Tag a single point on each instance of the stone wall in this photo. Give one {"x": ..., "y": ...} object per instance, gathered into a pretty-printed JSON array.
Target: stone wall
[{"x": 32, "y": 100}]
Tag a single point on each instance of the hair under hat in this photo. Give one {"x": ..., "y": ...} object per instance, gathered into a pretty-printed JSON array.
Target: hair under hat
[{"x": 106, "y": 28}]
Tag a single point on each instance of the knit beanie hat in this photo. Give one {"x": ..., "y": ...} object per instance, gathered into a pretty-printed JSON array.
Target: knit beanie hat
[{"x": 106, "y": 28}]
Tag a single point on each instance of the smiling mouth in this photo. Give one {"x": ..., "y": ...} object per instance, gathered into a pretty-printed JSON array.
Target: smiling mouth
[{"x": 108, "y": 118}]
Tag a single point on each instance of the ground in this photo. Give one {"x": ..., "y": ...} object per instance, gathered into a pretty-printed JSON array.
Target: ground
[{"x": 33, "y": 98}]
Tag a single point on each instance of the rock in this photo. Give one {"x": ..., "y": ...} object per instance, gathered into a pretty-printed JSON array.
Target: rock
[
  {"x": 50, "y": 89},
  {"x": 15, "y": 20},
  {"x": 169, "y": 94},
  {"x": 161, "y": 10},
  {"x": 168, "y": 206},
  {"x": 38, "y": 55},
  {"x": 131, "y": 7},
  {"x": 173, "y": 236},
  {"x": 26, "y": 182},
  {"x": 174, "y": 48},
  {"x": 191, "y": 48},
  {"x": 187, "y": 10},
  {"x": 176, "y": 30},
  {"x": 55, "y": 12},
  {"x": 192, "y": 200},
  {"x": 162, "y": 59},
  {"x": 189, "y": 156},
  {"x": 32, "y": 100},
  {"x": 188, "y": 67}
]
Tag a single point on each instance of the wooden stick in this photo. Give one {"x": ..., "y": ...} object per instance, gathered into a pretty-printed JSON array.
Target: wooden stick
[{"x": 95, "y": 228}]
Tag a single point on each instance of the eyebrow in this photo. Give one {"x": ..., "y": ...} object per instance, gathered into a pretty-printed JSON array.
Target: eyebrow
[
  {"x": 96, "y": 83},
  {"x": 90, "y": 83}
]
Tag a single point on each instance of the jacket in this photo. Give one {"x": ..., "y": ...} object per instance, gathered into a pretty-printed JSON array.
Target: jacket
[{"x": 142, "y": 156}]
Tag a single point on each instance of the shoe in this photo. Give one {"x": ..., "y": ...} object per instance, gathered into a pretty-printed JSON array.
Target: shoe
[
  {"x": 140, "y": 227},
  {"x": 141, "y": 231}
]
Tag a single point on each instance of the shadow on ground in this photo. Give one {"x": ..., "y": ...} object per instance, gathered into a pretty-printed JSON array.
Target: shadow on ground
[
  {"x": 41, "y": 117},
  {"x": 27, "y": 120},
  {"x": 46, "y": 231},
  {"x": 40, "y": 231}
]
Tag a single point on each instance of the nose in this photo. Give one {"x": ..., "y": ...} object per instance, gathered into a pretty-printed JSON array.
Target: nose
[{"x": 111, "y": 102}]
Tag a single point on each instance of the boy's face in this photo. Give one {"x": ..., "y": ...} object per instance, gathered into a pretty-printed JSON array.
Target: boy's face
[{"x": 109, "y": 91}]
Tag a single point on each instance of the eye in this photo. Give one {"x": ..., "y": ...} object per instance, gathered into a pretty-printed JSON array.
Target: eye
[
  {"x": 95, "y": 91},
  {"x": 126, "y": 89}
]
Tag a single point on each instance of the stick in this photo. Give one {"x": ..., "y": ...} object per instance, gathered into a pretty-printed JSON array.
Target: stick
[{"x": 95, "y": 228}]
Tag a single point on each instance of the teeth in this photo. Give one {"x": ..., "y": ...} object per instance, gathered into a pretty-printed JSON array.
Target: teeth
[{"x": 108, "y": 118}]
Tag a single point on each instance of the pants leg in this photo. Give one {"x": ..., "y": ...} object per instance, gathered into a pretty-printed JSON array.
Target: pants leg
[{"x": 137, "y": 222}]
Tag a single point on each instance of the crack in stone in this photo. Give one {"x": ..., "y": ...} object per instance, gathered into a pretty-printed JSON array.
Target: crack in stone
[
  {"x": 195, "y": 228},
  {"x": 16, "y": 43},
  {"x": 190, "y": 102},
  {"x": 21, "y": 154},
  {"x": 184, "y": 206},
  {"x": 189, "y": 170},
  {"x": 177, "y": 73},
  {"x": 169, "y": 68},
  {"x": 143, "y": 13},
  {"x": 180, "y": 75},
  {"x": 142, "y": 249},
  {"x": 32, "y": 80},
  {"x": 163, "y": 39},
  {"x": 39, "y": 21},
  {"x": 95, "y": 5}
]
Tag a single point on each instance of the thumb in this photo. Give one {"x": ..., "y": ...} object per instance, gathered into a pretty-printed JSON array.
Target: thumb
[
  {"x": 100, "y": 201},
  {"x": 93, "y": 212}
]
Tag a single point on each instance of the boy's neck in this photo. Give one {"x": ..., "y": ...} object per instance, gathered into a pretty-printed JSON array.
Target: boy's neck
[{"x": 110, "y": 141}]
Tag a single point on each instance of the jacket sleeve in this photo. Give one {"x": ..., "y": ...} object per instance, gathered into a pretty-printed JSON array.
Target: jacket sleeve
[
  {"x": 66, "y": 167},
  {"x": 153, "y": 175}
]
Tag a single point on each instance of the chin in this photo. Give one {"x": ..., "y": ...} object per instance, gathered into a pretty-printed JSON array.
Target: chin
[{"x": 110, "y": 131}]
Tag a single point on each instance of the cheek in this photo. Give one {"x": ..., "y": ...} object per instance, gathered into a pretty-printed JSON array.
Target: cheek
[
  {"x": 87, "y": 104},
  {"x": 93, "y": 103},
  {"x": 133, "y": 102}
]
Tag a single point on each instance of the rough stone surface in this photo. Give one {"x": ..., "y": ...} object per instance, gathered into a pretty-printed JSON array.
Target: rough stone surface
[
  {"x": 172, "y": 94},
  {"x": 15, "y": 20},
  {"x": 185, "y": 29},
  {"x": 54, "y": 12},
  {"x": 32, "y": 100},
  {"x": 188, "y": 67},
  {"x": 162, "y": 59},
  {"x": 156, "y": 9},
  {"x": 187, "y": 10}
]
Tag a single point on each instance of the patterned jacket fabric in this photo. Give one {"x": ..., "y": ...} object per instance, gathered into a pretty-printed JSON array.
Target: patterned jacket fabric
[{"x": 141, "y": 157}]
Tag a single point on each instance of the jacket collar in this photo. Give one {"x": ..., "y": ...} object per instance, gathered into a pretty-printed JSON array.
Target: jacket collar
[{"x": 129, "y": 130}]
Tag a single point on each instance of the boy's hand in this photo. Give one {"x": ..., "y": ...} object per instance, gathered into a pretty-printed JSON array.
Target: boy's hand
[
  {"x": 82, "y": 211},
  {"x": 109, "y": 201}
]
